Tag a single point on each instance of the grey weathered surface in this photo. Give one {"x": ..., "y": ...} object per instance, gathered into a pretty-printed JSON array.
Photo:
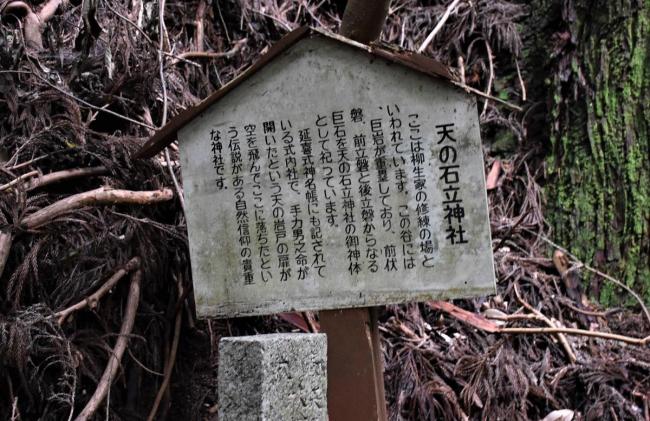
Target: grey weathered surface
[
  {"x": 318, "y": 76},
  {"x": 273, "y": 377}
]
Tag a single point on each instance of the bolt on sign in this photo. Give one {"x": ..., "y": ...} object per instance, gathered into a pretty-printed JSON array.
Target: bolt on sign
[{"x": 331, "y": 175}]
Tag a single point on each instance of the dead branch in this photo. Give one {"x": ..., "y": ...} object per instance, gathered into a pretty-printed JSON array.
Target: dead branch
[
  {"x": 100, "y": 196},
  {"x": 33, "y": 23},
  {"x": 26, "y": 163},
  {"x": 461, "y": 69},
  {"x": 161, "y": 30},
  {"x": 560, "y": 336},
  {"x": 5, "y": 246},
  {"x": 483, "y": 323},
  {"x": 488, "y": 90},
  {"x": 15, "y": 412},
  {"x": 203, "y": 54},
  {"x": 475, "y": 320},
  {"x": 120, "y": 346},
  {"x": 49, "y": 10},
  {"x": 200, "y": 26},
  {"x": 92, "y": 300},
  {"x": 94, "y": 107},
  {"x": 511, "y": 317},
  {"x": 171, "y": 360},
  {"x": 521, "y": 81},
  {"x": 450, "y": 9},
  {"x": 212, "y": 55},
  {"x": 18, "y": 180},
  {"x": 596, "y": 271},
  {"x": 146, "y": 37},
  {"x": 592, "y": 313},
  {"x": 487, "y": 96},
  {"x": 30, "y": 22},
  {"x": 58, "y": 176},
  {"x": 580, "y": 332},
  {"x": 223, "y": 23},
  {"x": 620, "y": 284},
  {"x": 163, "y": 83}
]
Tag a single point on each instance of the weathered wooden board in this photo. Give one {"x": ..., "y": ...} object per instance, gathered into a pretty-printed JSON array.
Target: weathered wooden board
[{"x": 331, "y": 179}]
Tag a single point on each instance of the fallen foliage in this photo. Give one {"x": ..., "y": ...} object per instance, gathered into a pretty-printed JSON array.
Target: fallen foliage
[{"x": 80, "y": 91}]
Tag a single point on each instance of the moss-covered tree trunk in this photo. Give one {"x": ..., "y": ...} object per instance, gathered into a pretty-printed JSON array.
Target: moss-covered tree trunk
[{"x": 598, "y": 191}]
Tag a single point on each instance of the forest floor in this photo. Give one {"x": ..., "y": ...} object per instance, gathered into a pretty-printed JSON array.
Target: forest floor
[{"x": 83, "y": 258}]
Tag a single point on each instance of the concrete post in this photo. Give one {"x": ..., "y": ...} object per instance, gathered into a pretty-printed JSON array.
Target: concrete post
[{"x": 273, "y": 377}]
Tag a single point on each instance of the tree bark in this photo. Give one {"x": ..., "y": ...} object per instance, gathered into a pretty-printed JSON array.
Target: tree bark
[{"x": 598, "y": 171}]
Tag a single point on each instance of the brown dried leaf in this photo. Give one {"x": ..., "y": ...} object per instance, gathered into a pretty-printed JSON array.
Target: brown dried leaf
[{"x": 493, "y": 176}]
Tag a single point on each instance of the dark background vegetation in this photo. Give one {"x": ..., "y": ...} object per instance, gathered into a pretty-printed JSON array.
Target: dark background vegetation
[{"x": 573, "y": 168}]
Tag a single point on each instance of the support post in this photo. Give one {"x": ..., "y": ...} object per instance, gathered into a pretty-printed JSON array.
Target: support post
[
  {"x": 363, "y": 20},
  {"x": 355, "y": 371}
]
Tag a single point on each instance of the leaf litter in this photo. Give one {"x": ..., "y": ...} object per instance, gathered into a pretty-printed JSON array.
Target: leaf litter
[{"x": 80, "y": 90}]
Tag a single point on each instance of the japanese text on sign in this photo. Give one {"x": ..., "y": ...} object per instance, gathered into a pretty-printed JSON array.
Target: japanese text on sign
[{"x": 365, "y": 173}]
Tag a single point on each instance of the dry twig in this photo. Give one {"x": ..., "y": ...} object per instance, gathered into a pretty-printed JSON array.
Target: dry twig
[
  {"x": 92, "y": 300},
  {"x": 483, "y": 323},
  {"x": 597, "y": 272},
  {"x": 560, "y": 336},
  {"x": 5, "y": 247},
  {"x": 116, "y": 356},
  {"x": 171, "y": 357},
  {"x": 488, "y": 90},
  {"x": 199, "y": 25},
  {"x": 94, "y": 107},
  {"x": 63, "y": 175},
  {"x": 450, "y": 9},
  {"x": 521, "y": 81},
  {"x": 210, "y": 54},
  {"x": 100, "y": 196},
  {"x": 146, "y": 37},
  {"x": 34, "y": 21},
  {"x": 163, "y": 83},
  {"x": 591, "y": 313},
  {"x": 487, "y": 96},
  {"x": 17, "y": 180},
  {"x": 580, "y": 332}
]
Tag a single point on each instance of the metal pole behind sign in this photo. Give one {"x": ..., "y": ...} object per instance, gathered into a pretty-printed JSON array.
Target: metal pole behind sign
[
  {"x": 355, "y": 369},
  {"x": 355, "y": 379}
]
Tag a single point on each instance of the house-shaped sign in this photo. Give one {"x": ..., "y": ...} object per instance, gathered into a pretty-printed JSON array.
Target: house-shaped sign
[{"x": 333, "y": 174}]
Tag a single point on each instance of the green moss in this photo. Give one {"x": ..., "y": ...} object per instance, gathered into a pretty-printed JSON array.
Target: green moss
[
  {"x": 504, "y": 142},
  {"x": 599, "y": 172}
]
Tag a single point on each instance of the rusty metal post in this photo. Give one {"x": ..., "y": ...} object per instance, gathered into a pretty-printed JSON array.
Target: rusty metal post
[
  {"x": 363, "y": 20},
  {"x": 355, "y": 369},
  {"x": 355, "y": 379}
]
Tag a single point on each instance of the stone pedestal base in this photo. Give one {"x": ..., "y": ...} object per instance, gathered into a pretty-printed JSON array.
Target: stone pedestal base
[{"x": 273, "y": 377}]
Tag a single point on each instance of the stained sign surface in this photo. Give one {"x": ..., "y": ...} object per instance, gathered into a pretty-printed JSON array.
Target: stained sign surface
[{"x": 331, "y": 178}]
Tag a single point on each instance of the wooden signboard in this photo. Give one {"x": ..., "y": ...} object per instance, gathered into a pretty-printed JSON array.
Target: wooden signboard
[{"x": 335, "y": 176}]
